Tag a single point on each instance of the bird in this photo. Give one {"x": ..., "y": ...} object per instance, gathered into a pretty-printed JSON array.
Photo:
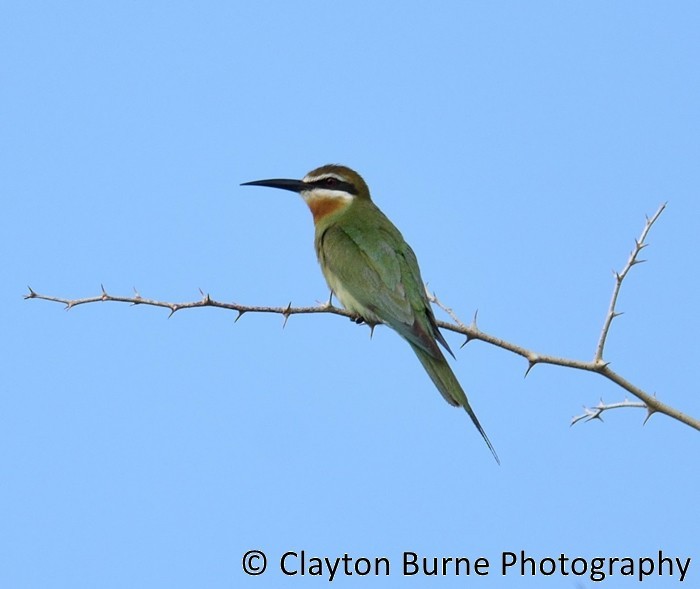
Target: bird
[{"x": 372, "y": 271}]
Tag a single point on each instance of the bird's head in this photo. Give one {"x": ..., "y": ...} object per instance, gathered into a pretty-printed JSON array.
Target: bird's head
[{"x": 328, "y": 189}]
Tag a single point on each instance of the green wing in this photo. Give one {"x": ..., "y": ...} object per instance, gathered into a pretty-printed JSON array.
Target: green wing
[{"x": 380, "y": 271}]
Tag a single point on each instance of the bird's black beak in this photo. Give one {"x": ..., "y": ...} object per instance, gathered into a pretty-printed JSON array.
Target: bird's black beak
[{"x": 284, "y": 184}]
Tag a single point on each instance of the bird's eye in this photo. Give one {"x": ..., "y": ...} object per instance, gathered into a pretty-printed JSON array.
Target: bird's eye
[{"x": 331, "y": 181}]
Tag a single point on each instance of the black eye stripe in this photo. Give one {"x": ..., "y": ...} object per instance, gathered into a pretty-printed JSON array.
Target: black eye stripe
[{"x": 334, "y": 184}]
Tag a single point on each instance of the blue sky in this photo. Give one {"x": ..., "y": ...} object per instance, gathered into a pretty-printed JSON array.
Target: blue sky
[{"x": 517, "y": 146}]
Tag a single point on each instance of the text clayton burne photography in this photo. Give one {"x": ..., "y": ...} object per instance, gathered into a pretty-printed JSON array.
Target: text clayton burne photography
[{"x": 518, "y": 563}]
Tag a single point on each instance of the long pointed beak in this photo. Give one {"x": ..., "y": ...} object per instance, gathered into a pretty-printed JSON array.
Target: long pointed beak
[{"x": 284, "y": 184}]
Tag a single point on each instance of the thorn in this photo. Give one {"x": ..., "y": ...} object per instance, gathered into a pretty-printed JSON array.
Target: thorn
[
  {"x": 240, "y": 314},
  {"x": 530, "y": 365},
  {"x": 650, "y": 412},
  {"x": 137, "y": 297},
  {"x": 286, "y": 314},
  {"x": 617, "y": 314},
  {"x": 105, "y": 296},
  {"x": 31, "y": 294},
  {"x": 601, "y": 364},
  {"x": 173, "y": 308},
  {"x": 467, "y": 339},
  {"x": 476, "y": 314}
]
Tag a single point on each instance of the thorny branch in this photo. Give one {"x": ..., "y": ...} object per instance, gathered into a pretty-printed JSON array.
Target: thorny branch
[
  {"x": 472, "y": 332},
  {"x": 590, "y": 413},
  {"x": 639, "y": 245}
]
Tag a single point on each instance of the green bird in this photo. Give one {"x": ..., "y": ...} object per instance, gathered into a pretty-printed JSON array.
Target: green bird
[{"x": 372, "y": 271}]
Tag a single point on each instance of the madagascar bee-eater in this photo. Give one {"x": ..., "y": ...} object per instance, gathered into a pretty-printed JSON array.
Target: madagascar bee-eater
[{"x": 371, "y": 269}]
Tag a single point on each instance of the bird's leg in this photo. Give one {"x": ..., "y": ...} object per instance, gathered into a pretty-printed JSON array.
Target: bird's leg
[{"x": 328, "y": 304}]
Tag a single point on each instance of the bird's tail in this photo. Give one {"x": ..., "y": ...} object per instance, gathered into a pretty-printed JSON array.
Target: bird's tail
[{"x": 446, "y": 382}]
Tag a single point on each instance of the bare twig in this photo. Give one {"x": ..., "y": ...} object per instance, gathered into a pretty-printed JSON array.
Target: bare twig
[
  {"x": 590, "y": 413},
  {"x": 205, "y": 301},
  {"x": 432, "y": 297},
  {"x": 639, "y": 245}
]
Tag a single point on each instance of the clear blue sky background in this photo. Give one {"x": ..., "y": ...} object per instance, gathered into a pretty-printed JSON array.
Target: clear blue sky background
[{"x": 518, "y": 146}]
